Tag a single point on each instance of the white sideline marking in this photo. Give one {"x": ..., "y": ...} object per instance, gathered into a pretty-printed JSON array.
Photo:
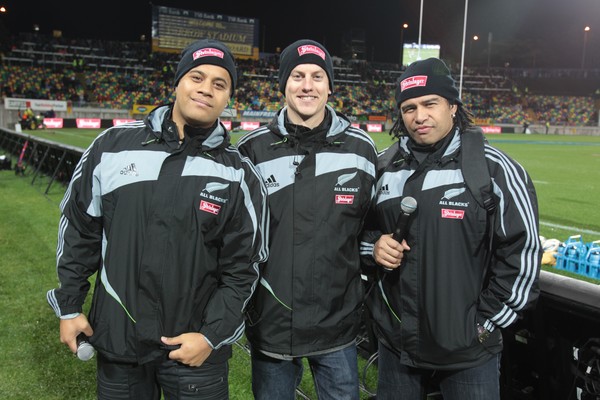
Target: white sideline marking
[{"x": 569, "y": 228}]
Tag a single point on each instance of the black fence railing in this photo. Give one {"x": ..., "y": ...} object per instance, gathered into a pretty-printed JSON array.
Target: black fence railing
[{"x": 36, "y": 157}]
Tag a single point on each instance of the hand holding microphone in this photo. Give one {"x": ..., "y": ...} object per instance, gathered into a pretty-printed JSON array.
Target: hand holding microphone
[{"x": 407, "y": 206}]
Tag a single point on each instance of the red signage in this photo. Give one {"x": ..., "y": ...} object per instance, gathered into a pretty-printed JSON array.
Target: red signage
[
  {"x": 250, "y": 125},
  {"x": 121, "y": 121},
  {"x": 55, "y": 123},
  {"x": 88, "y": 123},
  {"x": 491, "y": 129},
  {"x": 374, "y": 128}
]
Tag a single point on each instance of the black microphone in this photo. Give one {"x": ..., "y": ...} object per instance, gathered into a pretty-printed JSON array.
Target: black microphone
[
  {"x": 407, "y": 206},
  {"x": 85, "y": 351}
]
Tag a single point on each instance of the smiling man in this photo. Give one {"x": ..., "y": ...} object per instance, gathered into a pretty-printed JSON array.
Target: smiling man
[
  {"x": 320, "y": 174},
  {"x": 171, "y": 218}
]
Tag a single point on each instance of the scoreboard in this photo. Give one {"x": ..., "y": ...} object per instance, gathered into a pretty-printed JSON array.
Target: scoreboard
[
  {"x": 412, "y": 53},
  {"x": 174, "y": 28}
]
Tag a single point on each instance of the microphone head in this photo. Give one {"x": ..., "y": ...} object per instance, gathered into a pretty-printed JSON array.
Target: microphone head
[
  {"x": 85, "y": 351},
  {"x": 408, "y": 204}
]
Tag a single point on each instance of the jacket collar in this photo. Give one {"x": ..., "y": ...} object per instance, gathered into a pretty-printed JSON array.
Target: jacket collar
[
  {"x": 163, "y": 128},
  {"x": 339, "y": 123}
]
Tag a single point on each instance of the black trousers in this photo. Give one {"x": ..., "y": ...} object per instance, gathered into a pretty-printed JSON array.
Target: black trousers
[{"x": 120, "y": 381}]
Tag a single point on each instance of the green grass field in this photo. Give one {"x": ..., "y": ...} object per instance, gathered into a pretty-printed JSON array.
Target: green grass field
[
  {"x": 565, "y": 171},
  {"x": 35, "y": 365}
]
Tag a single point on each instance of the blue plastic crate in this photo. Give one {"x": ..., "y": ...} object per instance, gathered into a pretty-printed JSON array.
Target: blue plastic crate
[
  {"x": 572, "y": 256},
  {"x": 592, "y": 260}
]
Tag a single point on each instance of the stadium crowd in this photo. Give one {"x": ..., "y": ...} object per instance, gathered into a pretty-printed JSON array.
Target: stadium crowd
[{"x": 107, "y": 74}]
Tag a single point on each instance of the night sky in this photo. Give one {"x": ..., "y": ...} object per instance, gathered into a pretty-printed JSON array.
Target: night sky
[{"x": 525, "y": 33}]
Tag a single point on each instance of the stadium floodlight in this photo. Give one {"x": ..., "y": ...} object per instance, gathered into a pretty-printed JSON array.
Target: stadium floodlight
[
  {"x": 585, "y": 35},
  {"x": 404, "y": 26}
]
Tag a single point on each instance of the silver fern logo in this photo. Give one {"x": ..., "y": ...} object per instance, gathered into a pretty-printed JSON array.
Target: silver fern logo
[
  {"x": 212, "y": 187},
  {"x": 448, "y": 194},
  {"x": 452, "y": 193},
  {"x": 345, "y": 178},
  {"x": 342, "y": 180}
]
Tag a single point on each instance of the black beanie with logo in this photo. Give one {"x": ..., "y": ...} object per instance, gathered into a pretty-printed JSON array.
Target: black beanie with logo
[
  {"x": 207, "y": 51},
  {"x": 423, "y": 77},
  {"x": 304, "y": 51}
]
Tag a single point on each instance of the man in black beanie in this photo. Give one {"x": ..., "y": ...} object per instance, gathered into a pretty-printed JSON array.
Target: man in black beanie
[
  {"x": 320, "y": 175},
  {"x": 466, "y": 268},
  {"x": 171, "y": 218}
]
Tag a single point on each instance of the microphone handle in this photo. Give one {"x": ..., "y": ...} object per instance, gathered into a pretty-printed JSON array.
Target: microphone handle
[{"x": 399, "y": 233}]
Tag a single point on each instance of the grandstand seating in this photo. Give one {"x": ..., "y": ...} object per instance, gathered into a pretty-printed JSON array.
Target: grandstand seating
[{"x": 121, "y": 74}]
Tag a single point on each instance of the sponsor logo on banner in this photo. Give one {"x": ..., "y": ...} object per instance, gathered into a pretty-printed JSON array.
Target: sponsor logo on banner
[
  {"x": 452, "y": 214},
  {"x": 11, "y": 103},
  {"x": 374, "y": 128},
  {"x": 55, "y": 123},
  {"x": 88, "y": 123},
  {"x": 258, "y": 114},
  {"x": 344, "y": 198},
  {"x": 210, "y": 207},
  {"x": 491, "y": 129},
  {"x": 142, "y": 109},
  {"x": 227, "y": 125},
  {"x": 250, "y": 125},
  {"x": 355, "y": 125},
  {"x": 119, "y": 121}
]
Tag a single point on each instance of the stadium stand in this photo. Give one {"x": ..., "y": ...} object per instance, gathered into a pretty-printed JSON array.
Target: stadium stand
[{"x": 117, "y": 75}]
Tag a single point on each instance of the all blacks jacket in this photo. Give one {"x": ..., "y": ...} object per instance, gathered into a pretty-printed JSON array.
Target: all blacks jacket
[
  {"x": 311, "y": 294},
  {"x": 458, "y": 272},
  {"x": 174, "y": 233}
]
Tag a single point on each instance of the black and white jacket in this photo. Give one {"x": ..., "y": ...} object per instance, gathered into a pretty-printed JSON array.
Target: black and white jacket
[
  {"x": 428, "y": 309},
  {"x": 174, "y": 233},
  {"x": 321, "y": 184}
]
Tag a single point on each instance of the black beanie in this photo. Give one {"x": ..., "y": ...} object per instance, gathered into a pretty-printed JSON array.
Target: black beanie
[
  {"x": 304, "y": 52},
  {"x": 430, "y": 76},
  {"x": 206, "y": 51}
]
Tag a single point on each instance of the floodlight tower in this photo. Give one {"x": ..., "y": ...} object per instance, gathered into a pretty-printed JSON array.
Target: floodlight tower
[{"x": 585, "y": 35}]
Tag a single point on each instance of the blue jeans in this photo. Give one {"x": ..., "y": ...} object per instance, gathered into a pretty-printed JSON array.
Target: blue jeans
[
  {"x": 335, "y": 375},
  {"x": 399, "y": 382}
]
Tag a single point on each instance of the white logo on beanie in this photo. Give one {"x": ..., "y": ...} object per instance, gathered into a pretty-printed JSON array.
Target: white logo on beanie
[
  {"x": 413, "y": 81},
  {"x": 208, "y": 52},
  {"x": 311, "y": 49}
]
